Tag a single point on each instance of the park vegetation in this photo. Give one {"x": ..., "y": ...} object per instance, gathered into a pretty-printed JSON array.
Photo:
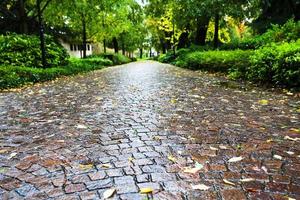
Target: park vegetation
[{"x": 255, "y": 40}]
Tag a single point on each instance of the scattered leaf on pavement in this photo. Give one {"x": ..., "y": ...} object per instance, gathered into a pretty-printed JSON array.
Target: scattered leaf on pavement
[
  {"x": 146, "y": 190},
  {"x": 235, "y": 159},
  {"x": 228, "y": 182},
  {"x": 200, "y": 187},
  {"x": 109, "y": 193}
]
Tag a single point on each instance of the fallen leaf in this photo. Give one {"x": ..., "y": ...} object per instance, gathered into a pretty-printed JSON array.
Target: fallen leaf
[
  {"x": 173, "y": 101},
  {"x": 80, "y": 126},
  {"x": 198, "y": 165},
  {"x": 277, "y": 157},
  {"x": 156, "y": 138},
  {"x": 290, "y": 138},
  {"x": 86, "y": 167},
  {"x": 296, "y": 130},
  {"x": 146, "y": 190},
  {"x": 247, "y": 180},
  {"x": 12, "y": 155},
  {"x": 213, "y": 148},
  {"x": 106, "y": 166},
  {"x": 290, "y": 152},
  {"x": 193, "y": 170},
  {"x": 264, "y": 169},
  {"x": 270, "y": 140},
  {"x": 109, "y": 193},
  {"x": 228, "y": 182},
  {"x": 222, "y": 147},
  {"x": 3, "y": 151},
  {"x": 290, "y": 198},
  {"x": 172, "y": 158},
  {"x": 130, "y": 159},
  {"x": 200, "y": 187},
  {"x": 263, "y": 102},
  {"x": 235, "y": 159},
  {"x": 289, "y": 94}
]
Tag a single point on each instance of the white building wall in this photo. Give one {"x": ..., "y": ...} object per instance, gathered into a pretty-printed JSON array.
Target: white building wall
[{"x": 74, "y": 52}]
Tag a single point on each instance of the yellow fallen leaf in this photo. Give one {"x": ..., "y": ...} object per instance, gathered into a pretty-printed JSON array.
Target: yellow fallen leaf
[
  {"x": 223, "y": 147},
  {"x": 295, "y": 130},
  {"x": 156, "y": 138},
  {"x": 235, "y": 159},
  {"x": 270, "y": 140},
  {"x": 86, "y": 167},
  {"x": 146, "y": 190},
  {"x": 263, "y": 102},
  {"x": 172, "y": 158},
  {"x": 12, "y": 155},
  {"x": 200, "y": 187},
  {"x": 173, "y": 101},
  {"x": 228, "y": 182},
  {"x": 130, "y": 159},
  {"x": 109, "y": 193},
  {"x": 298, "y": 110},
  {"x": 3, "y": 151},
  {"x": 290, "y": 93}
]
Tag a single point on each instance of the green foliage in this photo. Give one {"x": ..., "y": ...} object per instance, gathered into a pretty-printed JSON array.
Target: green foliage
[
  {"x": 290, "y": 31},
  {"x": 24, "y": 50},
  {"x": 217, "y": 61},
  {"x": 117, "y": 59},
  {"x": 14, "y": 76},
  {"x": 276, "y": 64}
]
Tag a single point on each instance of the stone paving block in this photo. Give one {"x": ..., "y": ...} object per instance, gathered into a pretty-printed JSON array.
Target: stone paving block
[
  {"x": 233, "y": 194},
  {"x": 97, "y": 175},
  {"x": 100, "y": 184},
  {"x": 114, "y": 172},
  {"x": 71, "y": 188},
  {"x": 159, "y": 177}
]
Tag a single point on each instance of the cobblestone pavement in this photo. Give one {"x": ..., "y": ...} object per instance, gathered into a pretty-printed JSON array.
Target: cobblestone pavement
[{"x": 184, "y": 134}]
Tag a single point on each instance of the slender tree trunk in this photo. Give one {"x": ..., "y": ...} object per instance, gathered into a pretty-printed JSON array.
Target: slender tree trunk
[
  {"x": 163, "y": 46},
  {"x": 216, "y": 34},
  {"x": 42, "y": 36},
  {"x": 141, "y": 53},
  {"x": 123, "y": 49},
  {"x": 201, "y": 32},
  {"x": 84, "y": 37},
  {"x": 104, "y": 45},
  {"x": 23, "y": 18},
  {"x": 115, "y": 43}
]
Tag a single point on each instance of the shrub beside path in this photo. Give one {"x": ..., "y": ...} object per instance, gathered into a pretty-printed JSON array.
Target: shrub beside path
[{"x": 170, "y": 132}]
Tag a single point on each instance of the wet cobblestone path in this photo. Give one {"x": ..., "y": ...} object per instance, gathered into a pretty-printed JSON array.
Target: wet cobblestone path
[{"x": 183, "y": 134}]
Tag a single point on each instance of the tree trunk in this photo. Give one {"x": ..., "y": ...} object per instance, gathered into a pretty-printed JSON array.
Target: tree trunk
[
  {"x": 163, "y": 46},
  {"x": 202, "y": 26},
  {"x": 42, "y": 36},
  {"x": 123, "y": 49},
  {"x": 216, "y": 34},
  {"x": 183, "y": 40},
  {"x": 84, "y": 37},
  {"x": 115, "y": 43},
  {"x": 104, "y": 45},
  {"x": 141, "y": 53},
  {"x": 23, "y": 18}
]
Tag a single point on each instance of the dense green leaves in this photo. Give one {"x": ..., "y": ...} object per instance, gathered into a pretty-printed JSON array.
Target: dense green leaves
[{"x": 24, "y": 50}]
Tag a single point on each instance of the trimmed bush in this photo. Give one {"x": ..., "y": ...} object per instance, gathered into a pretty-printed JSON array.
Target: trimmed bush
[
  {"x": 215, "y": 61},
  {"x": 276, "y": 64},
  {"x": 24, "y": 51},
  {"x": 15, "y": 76},
  {"x": 117, "y": 59}
]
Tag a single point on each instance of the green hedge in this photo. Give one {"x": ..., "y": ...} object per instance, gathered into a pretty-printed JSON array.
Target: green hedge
[
  {"x": 24, "y": 51},
  {"x": 117, "y": 59},
  {"x": 276, "y": 64},
  {"x": 15, "y": 76},
  {"x": 216, "y": 61}
]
